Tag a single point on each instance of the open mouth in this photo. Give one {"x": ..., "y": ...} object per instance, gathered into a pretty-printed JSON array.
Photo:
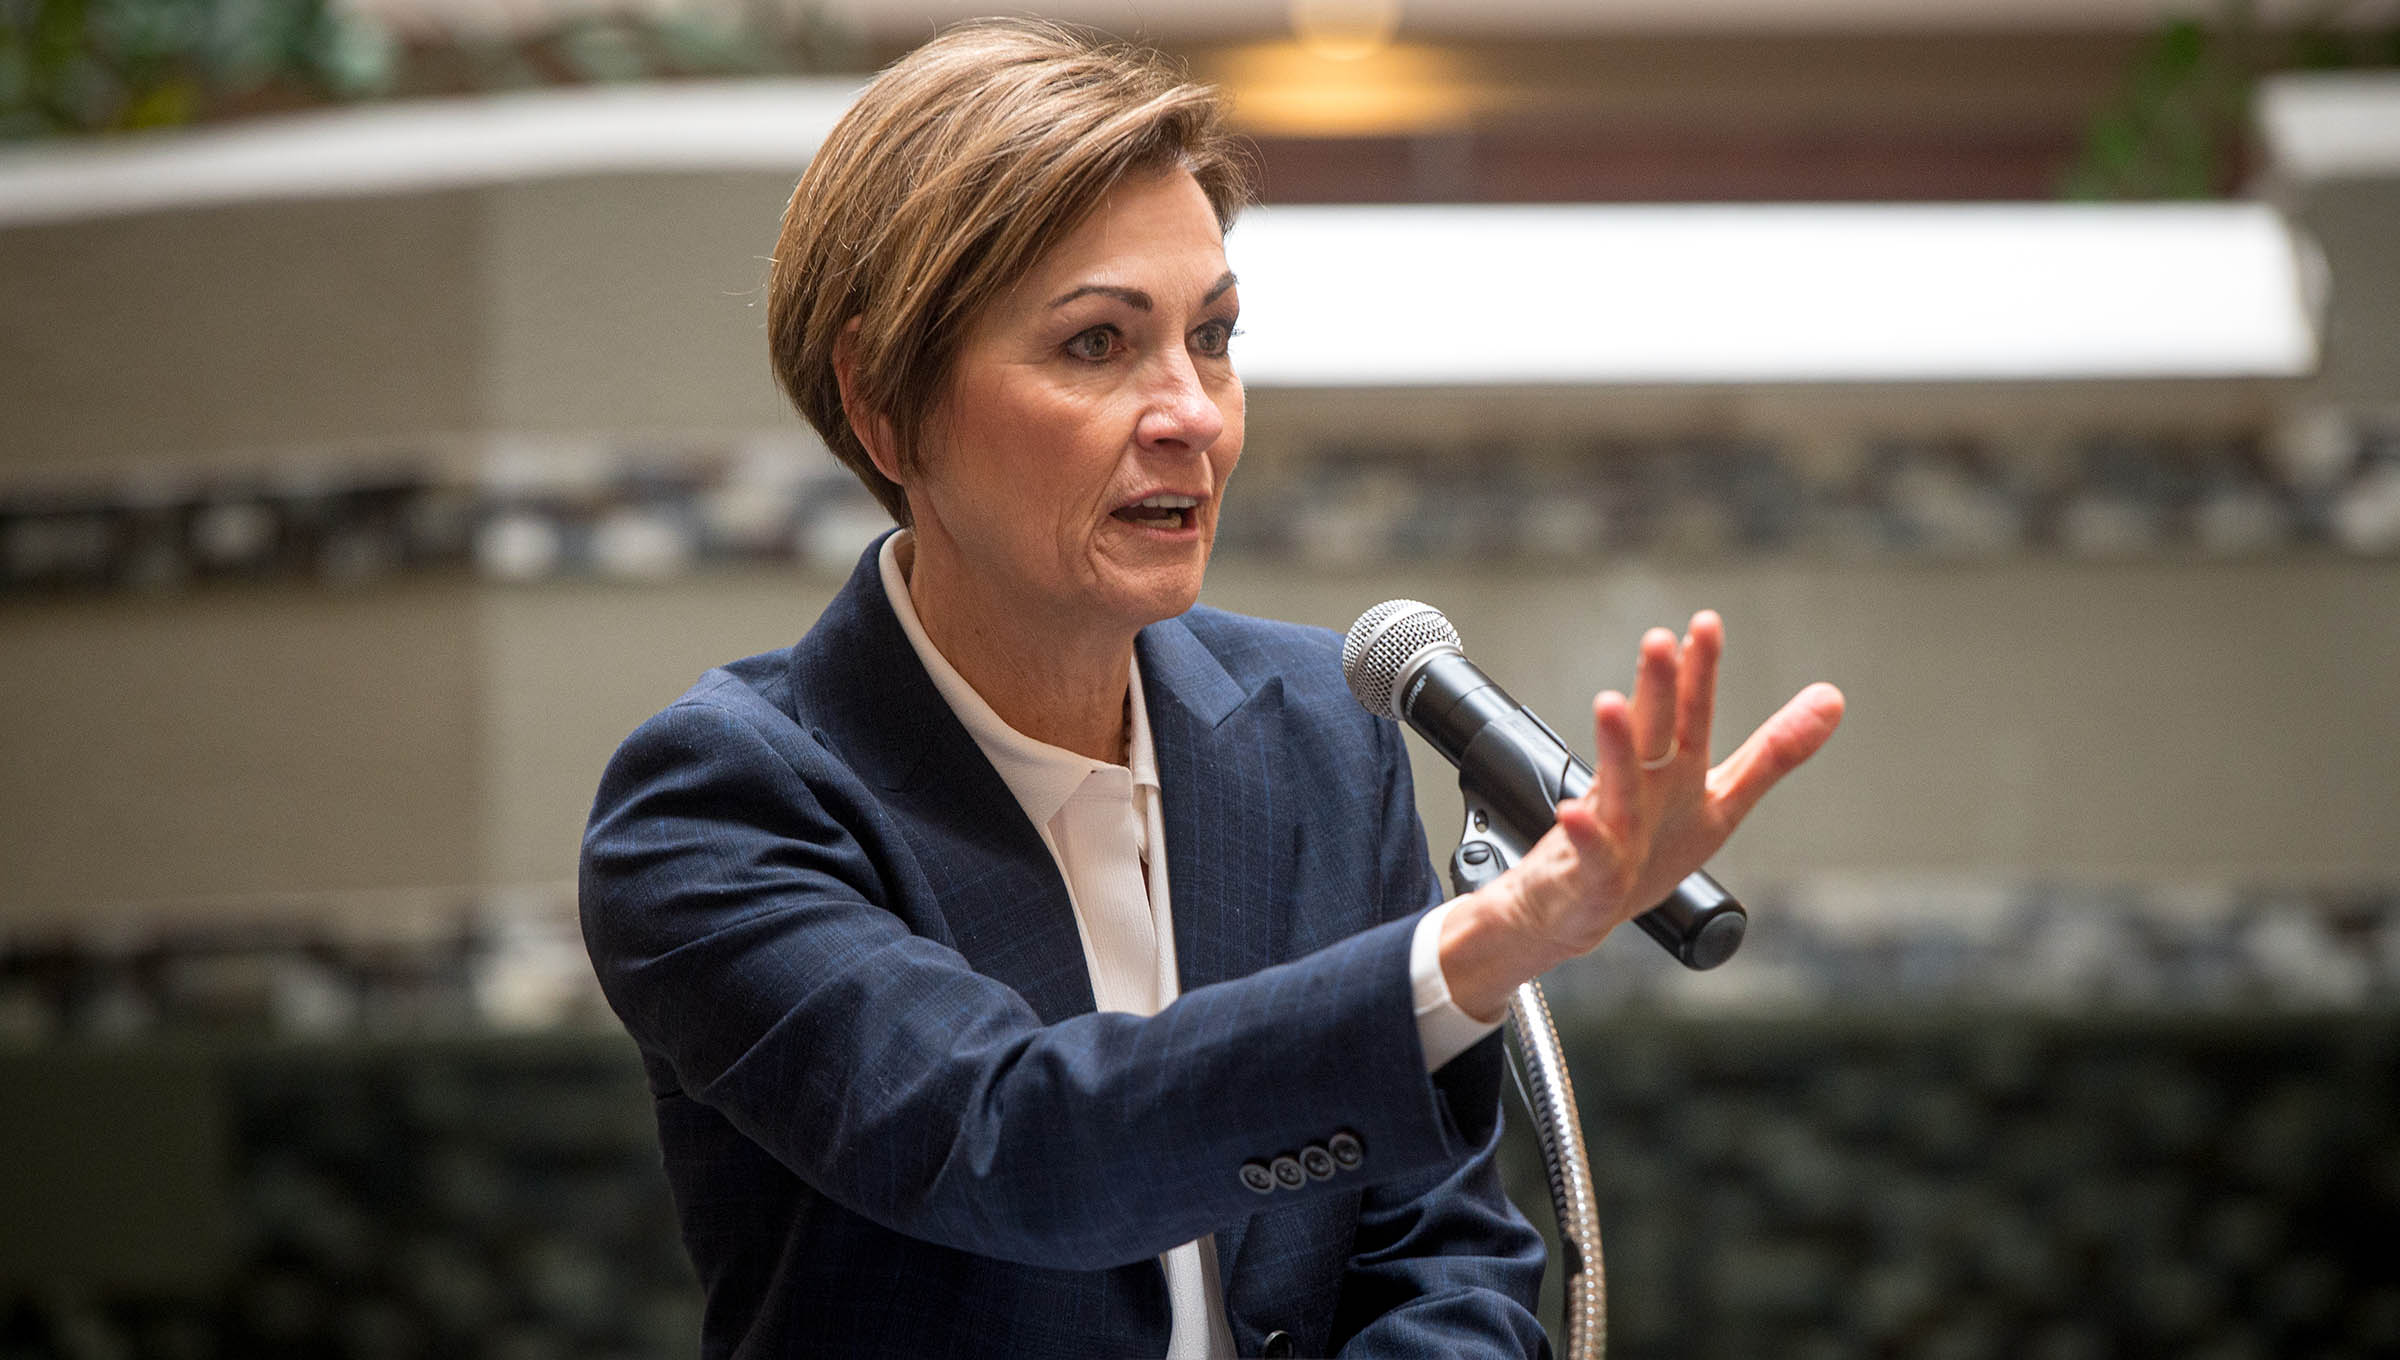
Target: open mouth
[{"x": 1162, "y": 512}]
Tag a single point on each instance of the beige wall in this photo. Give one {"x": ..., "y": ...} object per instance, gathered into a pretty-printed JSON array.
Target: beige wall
[
  {"x": 2353, "y": 223},
  {"x": 218, "y": 334},
  {"x": 2168, "y": 720},
  {"x": 221, "y": 331},
  {"x": 236, "y": 744},
  {"x": 632, "y": 303},
  {"x": 2203, "y": 720}
]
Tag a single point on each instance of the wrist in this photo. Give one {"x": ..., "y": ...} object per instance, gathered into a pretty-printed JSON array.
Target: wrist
[{"x": 1485, "y": 954}]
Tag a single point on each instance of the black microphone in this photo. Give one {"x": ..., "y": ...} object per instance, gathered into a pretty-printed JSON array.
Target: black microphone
[{"x": 1403, "y": 661}]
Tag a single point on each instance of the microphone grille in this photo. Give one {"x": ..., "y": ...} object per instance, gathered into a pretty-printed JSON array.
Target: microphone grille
[{"x": 1380, "y": 645}]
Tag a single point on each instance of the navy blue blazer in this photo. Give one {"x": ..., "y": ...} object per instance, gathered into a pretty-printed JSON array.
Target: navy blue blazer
[{"x": 891, "y": 1118}]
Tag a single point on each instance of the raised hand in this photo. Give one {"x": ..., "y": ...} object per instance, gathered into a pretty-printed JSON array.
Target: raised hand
[{"x": 1655, "y": 812}]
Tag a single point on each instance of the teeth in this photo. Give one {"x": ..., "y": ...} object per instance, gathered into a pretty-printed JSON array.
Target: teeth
[{"x": 1168, "y": 502}]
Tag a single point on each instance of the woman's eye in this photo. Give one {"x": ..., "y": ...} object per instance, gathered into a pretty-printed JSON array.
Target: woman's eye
[
  {"x": 1214, "y": 338},
  {"x": 1097, "y": 343}
]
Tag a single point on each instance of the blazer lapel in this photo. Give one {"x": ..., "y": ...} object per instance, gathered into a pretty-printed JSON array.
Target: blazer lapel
[
  {"x": 1226, "y": 843},
  {"x": 996, "y": 890}
]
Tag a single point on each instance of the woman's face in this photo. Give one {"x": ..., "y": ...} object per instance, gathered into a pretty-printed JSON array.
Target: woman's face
[{"x": 1077, "y": 463}]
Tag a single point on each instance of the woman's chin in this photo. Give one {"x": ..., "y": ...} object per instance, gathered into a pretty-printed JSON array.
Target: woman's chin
[
  {"x": 1142, "y": 595},
  {"x": 1166, "y": 604}
]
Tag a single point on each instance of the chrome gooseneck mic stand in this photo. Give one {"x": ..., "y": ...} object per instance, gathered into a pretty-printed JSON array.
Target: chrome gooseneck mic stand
[{"x": 1549, "y": 1096}]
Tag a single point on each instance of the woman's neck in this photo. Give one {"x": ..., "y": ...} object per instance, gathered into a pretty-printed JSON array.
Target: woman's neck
[{"x": 1055, "y": 683}]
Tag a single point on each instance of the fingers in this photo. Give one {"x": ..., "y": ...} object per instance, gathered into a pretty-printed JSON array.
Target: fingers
[
  {"x": 1696, "y": 700},
  {"x": 1615, "y": 776},
  {"x": 1794, "y": 734},
  {"x": 1654, "y": 699}
]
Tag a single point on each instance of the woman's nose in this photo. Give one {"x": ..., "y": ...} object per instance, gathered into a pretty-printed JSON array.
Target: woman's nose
[{"x": 1181, "y": 415}]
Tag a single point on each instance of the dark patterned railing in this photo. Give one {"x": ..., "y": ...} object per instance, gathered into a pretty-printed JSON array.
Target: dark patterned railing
[{"x": 621, "y": 510}]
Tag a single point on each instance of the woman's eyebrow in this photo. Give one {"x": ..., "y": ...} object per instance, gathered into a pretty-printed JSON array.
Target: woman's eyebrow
[
  {"x": 1135, "y": 297},
  {"x": 1131, "y": 297}
]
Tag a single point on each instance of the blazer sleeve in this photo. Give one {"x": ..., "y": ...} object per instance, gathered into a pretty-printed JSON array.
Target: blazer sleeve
[
  {"x": 734, "y": 919},
  {"x": 1443, "y": 1263}
]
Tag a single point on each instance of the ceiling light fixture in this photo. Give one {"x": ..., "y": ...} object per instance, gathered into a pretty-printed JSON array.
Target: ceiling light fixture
[{"x": 1345, "y": 30}]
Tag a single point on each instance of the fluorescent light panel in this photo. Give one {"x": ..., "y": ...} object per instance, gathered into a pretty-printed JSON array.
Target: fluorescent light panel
[
  {"x": 2331, "y": 125},
  {"x": 1441, "y": 296}
]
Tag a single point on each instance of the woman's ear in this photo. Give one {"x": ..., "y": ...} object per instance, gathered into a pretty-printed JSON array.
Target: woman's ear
[{"x": 873, "y": 429}]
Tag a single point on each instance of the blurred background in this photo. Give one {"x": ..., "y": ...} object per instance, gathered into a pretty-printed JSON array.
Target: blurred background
[{"x": 385, "y": 429}]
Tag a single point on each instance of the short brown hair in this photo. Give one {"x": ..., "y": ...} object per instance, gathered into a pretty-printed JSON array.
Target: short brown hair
[{"x": 961, "y": 165}]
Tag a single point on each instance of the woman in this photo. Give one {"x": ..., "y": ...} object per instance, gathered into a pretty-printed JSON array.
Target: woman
[{"x": 1028, "y": 962}]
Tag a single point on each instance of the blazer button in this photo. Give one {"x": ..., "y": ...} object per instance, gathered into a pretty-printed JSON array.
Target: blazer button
[
  {"x": 1278, "y": 1346},
  {"x": 1316, "y": 1161},
  {"x": 1256, "y": 1176},
  {"x": 1288, "y": 1173},
  {"x": 1347, "y": 1151}
]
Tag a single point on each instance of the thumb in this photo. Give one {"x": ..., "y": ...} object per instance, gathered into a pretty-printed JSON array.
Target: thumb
[{"x": 1797, "y": 731}]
